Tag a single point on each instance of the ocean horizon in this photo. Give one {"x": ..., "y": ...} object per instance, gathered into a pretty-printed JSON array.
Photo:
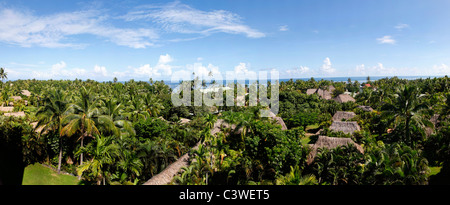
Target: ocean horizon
[{"x": 360, "y": 79}]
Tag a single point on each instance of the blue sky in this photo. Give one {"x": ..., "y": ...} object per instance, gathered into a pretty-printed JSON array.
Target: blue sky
[{"x": 137, "y": 40}]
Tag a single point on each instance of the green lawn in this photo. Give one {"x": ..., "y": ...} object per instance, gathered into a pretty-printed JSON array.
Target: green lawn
[
  {"x": 37, "y": 174},
  {"x": 312, "y": 127},
  {"x": 434, "y": 170},
  {"x": 305, "y": 140}
]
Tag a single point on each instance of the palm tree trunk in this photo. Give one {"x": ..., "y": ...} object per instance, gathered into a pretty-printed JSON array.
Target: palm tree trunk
[
  {"x": 81, "y": 155},
  {"x": 60, "y": 155},
  {"x": 407, "y": 130}
]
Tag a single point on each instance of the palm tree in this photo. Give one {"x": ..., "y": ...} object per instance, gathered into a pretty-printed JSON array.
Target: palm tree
[
  {"x": 3, "y": 75},
  {"x": 407, "y": 107},
  {"x": 51, "y": 115},
  {"x": 83, "y": 117},
  {"x": 135, "y": 110},
  {"x": 445, "y": 108},
  {"x": 103, "y": 154},
  {"x": 111, "y": 114},
  {"x": 210, "y": 120},
  {"x": 152, "y": 105}
]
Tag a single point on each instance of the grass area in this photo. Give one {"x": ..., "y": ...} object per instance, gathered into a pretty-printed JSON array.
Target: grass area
[
  {"x": 37, "y": 174},
  {"x": 305, "y": 140},
  {"x": 312, "y": 127},
  {"x": 434, "y": 170}
]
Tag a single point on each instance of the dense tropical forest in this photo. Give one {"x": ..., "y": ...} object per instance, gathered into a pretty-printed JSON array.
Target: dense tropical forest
[{"x": 112, "y": 133}]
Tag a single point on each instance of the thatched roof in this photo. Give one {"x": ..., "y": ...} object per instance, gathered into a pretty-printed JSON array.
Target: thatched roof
[
  {"x": 39, "y": 129},
  {"x": 26, "y": 93},
  {"x": 339, "y": 115},
  {"x": 15, "y": 114},
  {"x": 6, "y": 109},
  {"x": 184, "y": 120},
  {"x": 366, "y": 108},
  {"x": 324, "y": 94},
  {"x": 279, "y": 120},
  {"x": 343, "y": 98},
  {"x": 166, "y": 176},
  {"x": 330, "y": 143},
  {"x": 346, "y": 127},
  {"x": 311, "y": 91},
  {"x": 16, "y": 98},
  {"x": 435, "y": 120}
]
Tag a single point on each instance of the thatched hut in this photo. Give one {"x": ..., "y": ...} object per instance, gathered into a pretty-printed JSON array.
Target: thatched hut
[
  {"x": 343, "y": 98},
  {"x": 340, "y": 115},
  {"x": 365, "y": 108},
  {"x": 6, "y": 109},
  {"x": 16, "y": 98},
  {"x": 166, "y": 176},
  {"x": 311, "y": 91},
  {"x": 346, "y": 127},
  {"x": 184, "y": 121},
  {"x": 279, "y": 120},
  {"x": 324, "y": 94},
  {"x": 15, "y": 114},
  {"x": 330, "y": 143},
  {"x": 26, "y": 93},
  {"x": 435, "y": 120},
  {"x": 39, "y": 129}
]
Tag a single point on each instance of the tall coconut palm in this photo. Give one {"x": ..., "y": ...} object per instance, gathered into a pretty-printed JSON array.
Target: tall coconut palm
[
  {"x": 83, "y": 117},
  {"x": 152, "y": 105},
  {"x": 3, "y": 75},
  {"x": 111, "y": 112},
  {"x": 406, "y": 107},
  {"x": 50, "y": 116}
]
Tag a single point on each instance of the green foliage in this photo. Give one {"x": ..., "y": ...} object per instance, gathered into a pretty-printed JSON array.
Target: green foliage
[
  {"x": 151, "y": 128},
  {"x": 127, "y": 141},
  {"x": 339, "y": 166},
  {"x": 302, "y": 119},
  {"x": 395, "y": 164}
]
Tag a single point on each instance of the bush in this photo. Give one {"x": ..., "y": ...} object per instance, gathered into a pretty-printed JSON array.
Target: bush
[{"x": 303, "y": 119}]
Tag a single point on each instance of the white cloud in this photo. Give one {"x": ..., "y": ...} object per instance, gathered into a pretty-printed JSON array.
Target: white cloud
[
  {"x": 201, "y": 70},
  {"x": 181, "y": 18},
  {"x": 378, "y": 70},
  {"x": 386, "y": 40},
  {"x": 241, "y": 68},
  {"x": 284, "y": 28},
  {"x": 57, "y": 71},
  {"x": 164, "y": 59},
  {"x": 441, "y": 69},
  {"x": 147, "y": 71},
  {"x": 26, "y": 28},
  {"x": 59, "y": 30},
  {"x": 56, "y": 68},
  {"x": 100, "y": 70},
  {"x": 160, "y": 69},
  {"x": 298, "y": 71},
  {"x": 326, "y": 67},
  {"x": 401, "y": 26}
]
